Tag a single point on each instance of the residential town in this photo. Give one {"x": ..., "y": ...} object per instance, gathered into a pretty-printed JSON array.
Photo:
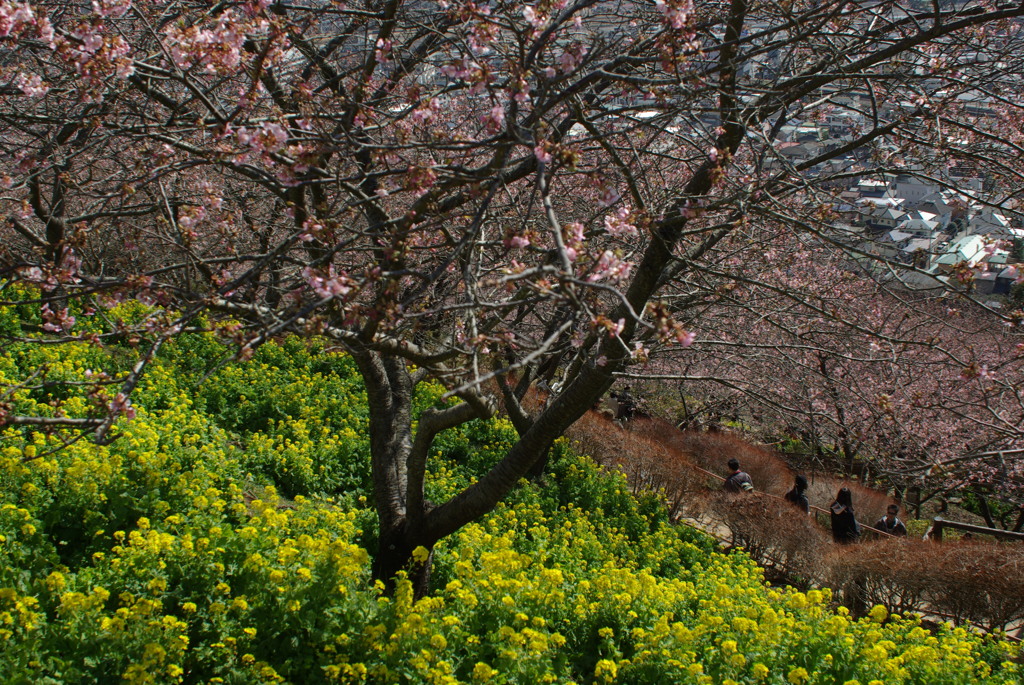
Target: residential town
[
  {"x": 941, "y": 228},
  {"x": 940, "y": 232}
]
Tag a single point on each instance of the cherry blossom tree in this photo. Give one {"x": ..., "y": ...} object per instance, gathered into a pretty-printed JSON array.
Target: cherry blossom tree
[
  {"x": 921, "y": 392},
  {"x": 486, "y": 194}
]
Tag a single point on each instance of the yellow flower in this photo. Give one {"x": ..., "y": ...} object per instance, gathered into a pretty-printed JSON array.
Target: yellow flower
[
  {"x": 797, "y": 676},
  {"x": 420, "y": 554},
  {"x": 759, "y": 671},
  {"x": 606, "y": 670},
  {"x": 482, "y": 672},
  {"x": 55, "y": 581}
]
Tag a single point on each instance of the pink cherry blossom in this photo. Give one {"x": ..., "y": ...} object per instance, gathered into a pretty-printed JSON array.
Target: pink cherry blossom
[
  {"x": 494, "y": 120},
  {"x": 56, "y": 322},
  {"x": 383, "y": 51},
  {"x": 273, "y": 136},
  {"x": 329, "y": 284},
  {"x": 572, "y": 58},
  {"x": 533, "y": 18},
  {"x": 111, "y": 8},
  {"x": 685, "y": 338},
  {"x": 609, "y": 267},
  {"x": 618, "y": 224},
  {"x": 121, "y": 405},
  {"x": 31, "y": 85},
  {"x": 217, "y": 49},
  {"x": 675, "y": 12},
  {"x": 608, "y": 195}
]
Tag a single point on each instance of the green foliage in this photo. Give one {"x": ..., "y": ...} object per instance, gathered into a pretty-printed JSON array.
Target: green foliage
[
  {"x": 1002, "y": 513},
  {"x": 171, "y": 556},
  {"x": 300, "y": 415},
  {"x": 1017, "y": 250},
  {"x": 194, "y": 355},
  {"x": 1016, "y": 295}
]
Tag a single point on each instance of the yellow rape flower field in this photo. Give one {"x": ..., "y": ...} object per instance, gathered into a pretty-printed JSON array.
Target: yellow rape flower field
[{"x": 225, "y": 537}]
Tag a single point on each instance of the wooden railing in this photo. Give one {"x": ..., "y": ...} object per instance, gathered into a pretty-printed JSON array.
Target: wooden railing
[{"x": 939, "y": 523}]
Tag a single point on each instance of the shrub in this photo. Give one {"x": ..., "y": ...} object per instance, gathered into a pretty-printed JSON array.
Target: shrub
[{"x": 967, "y": 582}]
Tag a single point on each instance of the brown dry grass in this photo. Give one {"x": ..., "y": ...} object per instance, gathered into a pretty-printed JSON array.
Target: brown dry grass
[
  {"x": 780, "y": 537},
  {"x": 648, "y": 462},
  {"x": 712, "y": 451},
  {"x": 968, "y": 582}
]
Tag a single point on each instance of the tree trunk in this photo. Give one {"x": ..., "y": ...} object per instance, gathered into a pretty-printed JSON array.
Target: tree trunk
[
  {"x": 915, "y": 492},
  {"x": 539, "y": 467},
  {"x": 985, "y": 511},
  {"x": 395, "y": 553}
]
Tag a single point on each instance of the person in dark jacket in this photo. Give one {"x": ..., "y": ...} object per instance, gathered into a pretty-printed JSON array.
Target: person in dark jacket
[
  {"x": 797, "y": 497},
  {"x": 845, "y": 529},
  {"x": 890, "y": 523},
  {"x": 737, "y": 481},
  {"x": 627, "y": 405}
]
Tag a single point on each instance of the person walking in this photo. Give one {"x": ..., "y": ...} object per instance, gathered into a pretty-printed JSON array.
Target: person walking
[
  {"x": 797, "y": 497},
  {"x": 890, "y": 523},
  {"x": 845, "y": 529},
  {"x": 627, "y": 405},
  {"x": 737, "y": 481}
]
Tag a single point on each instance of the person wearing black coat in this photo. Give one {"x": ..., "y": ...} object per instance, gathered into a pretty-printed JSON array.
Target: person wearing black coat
[
  {"x": 797, "y": 497},
  {"x": 845, "y": 529}
]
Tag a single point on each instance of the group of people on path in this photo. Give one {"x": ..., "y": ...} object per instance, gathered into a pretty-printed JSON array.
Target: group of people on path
[
  {"x": 845, "y": 528},
  {"x": 624, "y": 406}
]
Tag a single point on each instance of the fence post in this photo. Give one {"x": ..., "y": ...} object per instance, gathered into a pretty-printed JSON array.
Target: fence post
[{"x": 937, "y": 528}]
